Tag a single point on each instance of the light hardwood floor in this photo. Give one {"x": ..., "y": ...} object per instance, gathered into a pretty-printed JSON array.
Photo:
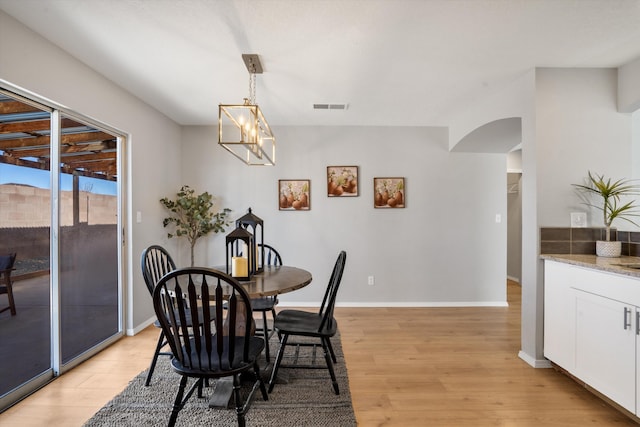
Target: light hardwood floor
[{"x": 407, "y": 367}]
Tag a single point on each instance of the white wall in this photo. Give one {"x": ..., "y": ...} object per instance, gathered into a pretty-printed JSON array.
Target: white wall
[
  {"x": 629, "y": 87},
  {"x": 445, "y": 247},
  {"x": 514, "y": 226},
  {"x": 31, "y": 62},
  {"x": 578, "y": 129},
  {"x": 575, "y": 128},
  {"x": 635, "y": 148}
]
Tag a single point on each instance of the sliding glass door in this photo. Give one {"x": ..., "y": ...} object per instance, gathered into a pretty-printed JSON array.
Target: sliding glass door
[
  {"x": 60, "y": 212},
  {"x": 25, "y": 229}
]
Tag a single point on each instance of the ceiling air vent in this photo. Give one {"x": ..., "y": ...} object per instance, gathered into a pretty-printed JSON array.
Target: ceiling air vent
[{"x": 330, "y": 106}]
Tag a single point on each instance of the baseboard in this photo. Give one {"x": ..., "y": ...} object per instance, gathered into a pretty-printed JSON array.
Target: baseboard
[
  {"x": 452, "y": 304},
  {"x": 514, "y": 279},
  {"x": 536, "y": 363},
  {"x": 140, "y": 327}
]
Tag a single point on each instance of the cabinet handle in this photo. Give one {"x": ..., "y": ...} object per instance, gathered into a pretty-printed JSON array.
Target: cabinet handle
[
  {"x": 637, "y": 322},
  {"x": 627, "y": 318}
]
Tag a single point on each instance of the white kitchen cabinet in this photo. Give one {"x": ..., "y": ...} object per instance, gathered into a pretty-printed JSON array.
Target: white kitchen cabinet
[
  {"x": 592, "y": 329},
  {"x": 637, "y": 329},
  {"x": 605, "y": 347},
  {"x": 559, "y": 314}
]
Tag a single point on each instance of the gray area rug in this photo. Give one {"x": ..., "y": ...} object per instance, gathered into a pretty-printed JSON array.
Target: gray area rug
[{"x": 307, "y": 399}]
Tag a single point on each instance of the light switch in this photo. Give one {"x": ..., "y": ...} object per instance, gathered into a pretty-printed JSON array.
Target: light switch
[
  {"x": 138, "y": 216},
  {"x": 498, "y": 218}
]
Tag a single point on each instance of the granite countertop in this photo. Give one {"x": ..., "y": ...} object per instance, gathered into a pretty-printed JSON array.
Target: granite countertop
[{"x": 611, "y": 265}]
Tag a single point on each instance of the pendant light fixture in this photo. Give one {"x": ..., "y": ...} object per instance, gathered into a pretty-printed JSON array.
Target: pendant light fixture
[{"x": 242, "y": 128}]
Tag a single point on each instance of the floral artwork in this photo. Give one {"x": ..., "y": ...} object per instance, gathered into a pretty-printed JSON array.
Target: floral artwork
[
  {"x": 388, "y": 193},
  {"x": 294, "y": 195},
  {"x": 342, "y": 181}
]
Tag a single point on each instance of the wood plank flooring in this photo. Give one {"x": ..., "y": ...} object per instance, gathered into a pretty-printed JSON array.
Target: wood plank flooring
[{"x": 407, "y": 367}]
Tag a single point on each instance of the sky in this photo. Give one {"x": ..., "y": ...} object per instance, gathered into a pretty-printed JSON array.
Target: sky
[{"x": 11, "y": 174}]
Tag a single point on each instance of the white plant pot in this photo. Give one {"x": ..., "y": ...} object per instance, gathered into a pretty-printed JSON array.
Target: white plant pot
[{"x": 608, "y": 249}]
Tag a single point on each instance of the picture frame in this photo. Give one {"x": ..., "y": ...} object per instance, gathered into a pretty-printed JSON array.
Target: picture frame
[
  {"x": 342, "y": 181},
  {"x": 294, "y": 194},
  {"x": 389, "y": 192}
]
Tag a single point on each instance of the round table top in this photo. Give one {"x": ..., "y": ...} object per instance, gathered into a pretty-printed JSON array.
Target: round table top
[{"x": 276, "y": 280}]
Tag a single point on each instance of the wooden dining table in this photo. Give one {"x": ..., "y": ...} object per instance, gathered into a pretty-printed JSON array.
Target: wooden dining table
[{"x": 274, "y": 280}]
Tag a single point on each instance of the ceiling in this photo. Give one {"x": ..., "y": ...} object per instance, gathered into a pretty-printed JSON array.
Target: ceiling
[{"x": 394, "y": 62}]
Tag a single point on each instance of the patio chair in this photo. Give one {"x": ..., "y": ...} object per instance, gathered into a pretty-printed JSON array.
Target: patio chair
[{"x": 6, "y": 284}]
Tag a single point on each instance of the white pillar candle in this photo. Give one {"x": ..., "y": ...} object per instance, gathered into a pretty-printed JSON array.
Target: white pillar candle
[{"x": 239, "y": 267}]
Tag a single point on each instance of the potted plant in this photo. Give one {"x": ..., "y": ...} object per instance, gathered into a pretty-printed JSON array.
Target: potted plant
[
  {"x": 193, "y": 216},
  {"x": 610, "y": 196}
]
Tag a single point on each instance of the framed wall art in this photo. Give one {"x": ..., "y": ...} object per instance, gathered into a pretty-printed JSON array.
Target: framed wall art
[
  {"x": 342, "y": 181},
  {"x": 389, "y": 193},
  {"x": 294, "y": 194}
]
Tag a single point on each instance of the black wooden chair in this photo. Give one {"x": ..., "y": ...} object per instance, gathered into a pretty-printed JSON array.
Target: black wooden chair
[
  {"x": 265, "y": 305},
  {"x": 155, "y": 263},
  {"x": 6, "y": 284},
  {"x": 320, "y": 325},
  {"x": 202, "y": 353}
]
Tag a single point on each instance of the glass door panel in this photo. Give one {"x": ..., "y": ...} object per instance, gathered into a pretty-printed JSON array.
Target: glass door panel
[
  {"x": 89, "y": 235},
  {"x": 25, "y": 224}
]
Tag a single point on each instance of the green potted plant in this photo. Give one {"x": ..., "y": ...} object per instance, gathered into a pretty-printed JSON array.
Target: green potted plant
[
  {"x": 193, "y": 216},
  {"x": 609, "y": 195}
]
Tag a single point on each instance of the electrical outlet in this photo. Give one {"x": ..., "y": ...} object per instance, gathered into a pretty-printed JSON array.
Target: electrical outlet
[{"x": 371, "y": 281}]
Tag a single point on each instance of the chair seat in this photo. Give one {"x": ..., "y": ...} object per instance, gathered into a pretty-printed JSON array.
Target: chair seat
[
  {"x": 297, "y": 322},
  {"x": 264, "y": 303},
  {"x": 209, "y": 368}
]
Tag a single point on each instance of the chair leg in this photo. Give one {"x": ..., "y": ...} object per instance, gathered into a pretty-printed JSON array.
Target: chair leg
[
  {"x": 333, "y": 355},
  {"x": 265, "y": 330},
  {"x": 326, "y": 345},
  {"x": 155, "y": 358},
  {"x": 12, "y": 303},
  {"x": 200, "y": 383},
  {"x": 237, "y": 397},
  {"x": 263, "y": 389},
  {"x": 177, "y": 404},
  {"x": 8, "y": 285},
  {"x": 276, "y": 366}
]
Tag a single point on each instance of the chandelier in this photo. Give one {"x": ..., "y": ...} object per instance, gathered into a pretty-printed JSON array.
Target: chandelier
[{"x": 242, "y": 128}]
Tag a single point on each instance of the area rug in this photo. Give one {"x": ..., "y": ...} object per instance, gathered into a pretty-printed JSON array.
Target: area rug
[{"x": 306, "y": 399}]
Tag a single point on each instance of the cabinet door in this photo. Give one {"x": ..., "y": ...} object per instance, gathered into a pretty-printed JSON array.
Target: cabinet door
[
  {"x": 636, "y": 327},
  {"x": 559, "y": 315},
  {"x": 606, "y": 347}
]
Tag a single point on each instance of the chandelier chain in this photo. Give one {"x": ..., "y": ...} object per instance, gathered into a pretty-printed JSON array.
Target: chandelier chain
[{"x": 252, "y": 88}]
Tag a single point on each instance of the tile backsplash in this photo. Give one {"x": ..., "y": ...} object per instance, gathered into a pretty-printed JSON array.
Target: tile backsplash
[{"x": 582, "y": 241}]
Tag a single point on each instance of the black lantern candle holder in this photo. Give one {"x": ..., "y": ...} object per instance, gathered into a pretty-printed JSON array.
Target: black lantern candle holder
[
  {"x": 254, "y": 225},
  {"x": 239, "y": 256}
]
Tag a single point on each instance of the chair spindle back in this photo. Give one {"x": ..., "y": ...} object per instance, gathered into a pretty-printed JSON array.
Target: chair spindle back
[
  {"x": 155, "y": 263},
  {"x": 194, "y": 287},
  {"x": 329, "y": 300}
]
